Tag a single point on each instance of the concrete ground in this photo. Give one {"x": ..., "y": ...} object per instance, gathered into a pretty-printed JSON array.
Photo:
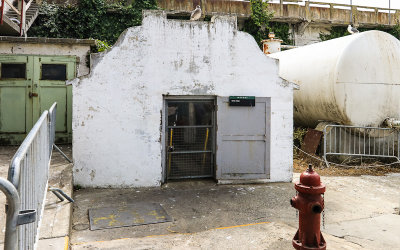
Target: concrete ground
[
  {"x": 361, "y": 213},
  {"x": 55, "y": 225}
]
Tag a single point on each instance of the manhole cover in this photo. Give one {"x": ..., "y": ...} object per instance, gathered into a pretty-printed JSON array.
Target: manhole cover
[{"x": 127, "y": 215}]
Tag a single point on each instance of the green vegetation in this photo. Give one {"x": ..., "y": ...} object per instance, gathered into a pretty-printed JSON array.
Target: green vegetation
[
  {"x": 104, "y": 21},
  {"x": 259, "y": 25},
  {"x": 336, "y": 32},
  {"x": 298, "y": 136},
  {"x": 101, "y": 46},
  {"x": 281, "y": 31},
  {"x": 95, "y": 19}
]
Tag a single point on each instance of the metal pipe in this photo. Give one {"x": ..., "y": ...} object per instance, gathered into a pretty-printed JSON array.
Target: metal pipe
[
  {"x": 58, "y": 192},
  {"x": 22, "y": 23},
  {"x": 351, "y": 11},
  {"x": 59, "y": 196},
  {"x": 283, "y": 46},
  {"x": 2, "y": 11},
  {"x": 62, "y": 153},
  {"x": 13, "y": 206}
]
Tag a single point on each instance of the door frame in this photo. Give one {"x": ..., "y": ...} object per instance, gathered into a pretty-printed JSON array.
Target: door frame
[{"x": 164, "y": 123}]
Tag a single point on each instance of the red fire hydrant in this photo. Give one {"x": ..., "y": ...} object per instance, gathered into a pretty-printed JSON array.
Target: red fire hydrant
[{"x": 310, "y": 204}]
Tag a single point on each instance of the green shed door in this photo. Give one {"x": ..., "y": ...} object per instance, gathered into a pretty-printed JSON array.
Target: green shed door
[
  {"x": 50, "y": 74},
  {"x": 28, "y": 86},
  {"x": 15, "y": 109}
]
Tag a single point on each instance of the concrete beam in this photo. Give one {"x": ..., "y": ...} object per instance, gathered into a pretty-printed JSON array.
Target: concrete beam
[{"x": 313, "y": 12}]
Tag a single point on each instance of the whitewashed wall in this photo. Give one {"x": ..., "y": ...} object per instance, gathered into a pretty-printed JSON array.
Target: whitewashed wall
[
  {"x": 117, "y": 130},
  {"x": 39, "y": 47}
]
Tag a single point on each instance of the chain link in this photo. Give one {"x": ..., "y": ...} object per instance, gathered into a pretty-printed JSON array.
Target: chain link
[
  {"x": 323, "y": 212},
  {"x": 297, "y": 211},
  {"x": 343, "y": 165}
]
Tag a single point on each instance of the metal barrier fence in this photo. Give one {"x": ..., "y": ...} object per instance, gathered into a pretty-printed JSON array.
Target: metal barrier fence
[
  {"x": 52, "y": 126},
  {"x": 28, "y": 174},
  {"x": 361, "y": 141}
]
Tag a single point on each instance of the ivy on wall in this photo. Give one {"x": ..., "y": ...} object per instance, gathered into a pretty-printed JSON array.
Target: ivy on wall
[
  {"x": 105, "y": 21},
  {"x": 259, "y": 24},
  {"x": 281, "y": 31},
  {"x": 338, "y": 31},
  {"x": 96, "y": 19}
]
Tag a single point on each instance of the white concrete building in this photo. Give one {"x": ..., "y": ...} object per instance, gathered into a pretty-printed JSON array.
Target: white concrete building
[{"x": 182, "y": 99}]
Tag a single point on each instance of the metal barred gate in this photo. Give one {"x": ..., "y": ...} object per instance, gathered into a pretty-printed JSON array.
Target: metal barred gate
[{"x": 190, "y": 137}]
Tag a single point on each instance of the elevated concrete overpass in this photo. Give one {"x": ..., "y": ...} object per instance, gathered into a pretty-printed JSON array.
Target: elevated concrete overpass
[{"x": 307, "y": 20}]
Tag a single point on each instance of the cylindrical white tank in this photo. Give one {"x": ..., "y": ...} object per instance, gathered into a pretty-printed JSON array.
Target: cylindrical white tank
[{"x": 353, "y": 80}]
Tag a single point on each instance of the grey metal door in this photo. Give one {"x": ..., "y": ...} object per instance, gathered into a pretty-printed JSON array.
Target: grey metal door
[
  {"x": 189, "y": 139},
  {"x": 243, "y": 140}
]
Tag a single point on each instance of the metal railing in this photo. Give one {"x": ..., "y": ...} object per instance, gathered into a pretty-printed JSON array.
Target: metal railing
[
  {"x": 27, "y": 184},
  {"x": 336, "y": 13},
  {"x": 341, "y": 140},
  {"x": 52, "y": 126},
  {"x": 20, "y": 11}
]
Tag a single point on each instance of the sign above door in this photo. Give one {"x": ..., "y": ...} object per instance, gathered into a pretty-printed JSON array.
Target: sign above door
[{"x": 242, "y": 101}]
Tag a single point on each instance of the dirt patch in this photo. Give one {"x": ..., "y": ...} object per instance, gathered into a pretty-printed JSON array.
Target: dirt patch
[{"x": 355, "y": 167}]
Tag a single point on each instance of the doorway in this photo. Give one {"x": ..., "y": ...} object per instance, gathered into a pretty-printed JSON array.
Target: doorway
[
  {"x": 29, "y": 85},
  {"x": 189, "y": 138}
]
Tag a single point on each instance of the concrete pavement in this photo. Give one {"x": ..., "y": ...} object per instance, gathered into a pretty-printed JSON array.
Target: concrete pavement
[{"x": 210, "y": 216}]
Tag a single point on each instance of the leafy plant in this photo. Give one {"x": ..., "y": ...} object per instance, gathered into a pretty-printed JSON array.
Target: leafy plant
[
  {"x": 281, "y": 31},
  {"x": 259, "y": 24},
  {"x": 334, "y": 32},
  {"x": 101, "y": 45},
  {"x": 338, "y": 31},
  {"x": 298, "y": 136},
  {"x": 96, "y": 19}
]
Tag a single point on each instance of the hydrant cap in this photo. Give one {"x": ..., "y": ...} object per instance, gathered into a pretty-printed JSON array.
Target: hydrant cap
[{"x": 310, "y": 178}]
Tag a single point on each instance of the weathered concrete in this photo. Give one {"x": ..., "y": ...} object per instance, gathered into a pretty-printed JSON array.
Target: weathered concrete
[
  {"x": 306, "y": 21},
  {"x": 117, "y": 115},
  {"x": 49, "y": 46},
  {"x": 61, "y": 243},
  {"x": 310, "y": 11},
  {"x": 56, "y": 215},
  {"x": 206, "y": 215},
  {"x": 273, "y": 236},
  {"x": 385, "y": 234}
]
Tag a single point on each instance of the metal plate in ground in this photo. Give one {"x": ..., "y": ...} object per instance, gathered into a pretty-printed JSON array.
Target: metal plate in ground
[{"x": 127, "y": 215}]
